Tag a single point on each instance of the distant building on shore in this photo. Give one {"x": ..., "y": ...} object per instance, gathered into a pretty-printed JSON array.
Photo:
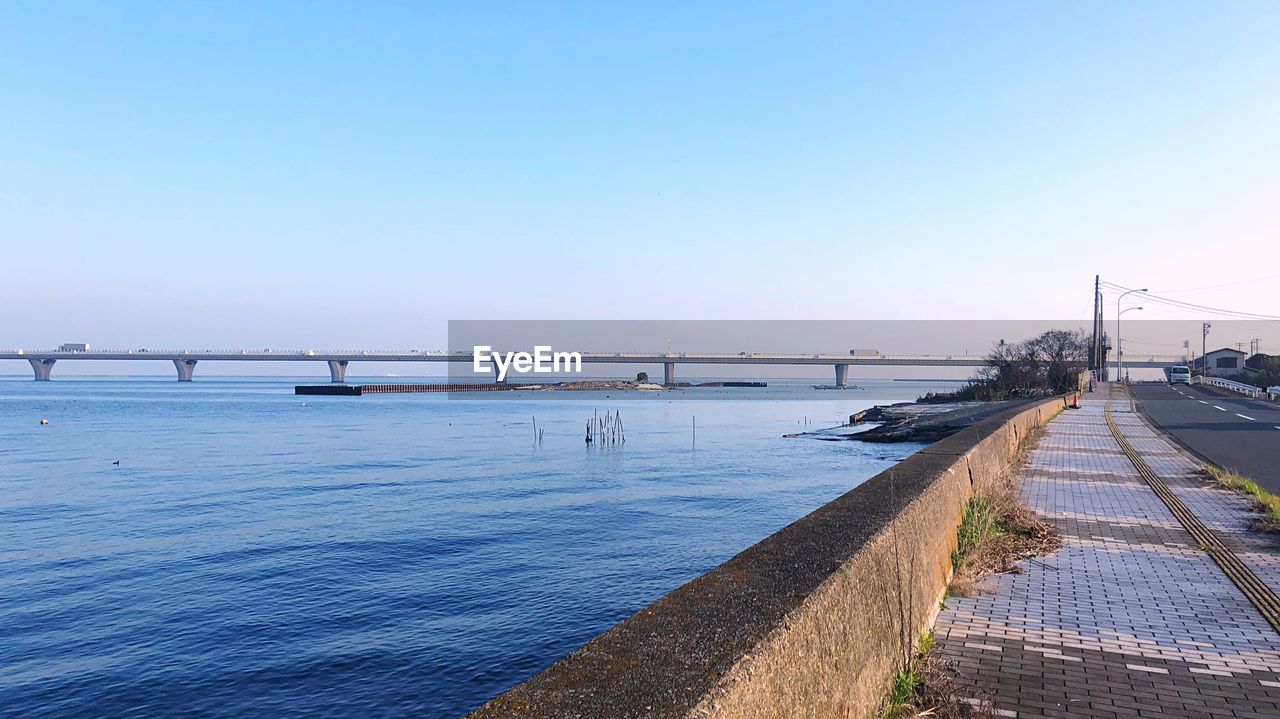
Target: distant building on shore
[{"x": 1222, "y": 363}]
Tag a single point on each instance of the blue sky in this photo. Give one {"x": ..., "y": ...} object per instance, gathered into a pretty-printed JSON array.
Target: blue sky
[{"x": 355, "y": 175}]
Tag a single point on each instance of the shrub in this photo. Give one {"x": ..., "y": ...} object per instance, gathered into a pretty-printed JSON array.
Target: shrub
[{"x": 1050, "y": 363}]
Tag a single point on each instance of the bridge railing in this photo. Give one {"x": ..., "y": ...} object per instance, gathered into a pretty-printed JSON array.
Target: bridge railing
[{"x": 1240, "y": 387}]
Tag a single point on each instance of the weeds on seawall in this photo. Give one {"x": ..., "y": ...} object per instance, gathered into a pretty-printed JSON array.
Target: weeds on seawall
[
  {"x": 997, "y": 531},
  {"x": 926, "y": 689}
]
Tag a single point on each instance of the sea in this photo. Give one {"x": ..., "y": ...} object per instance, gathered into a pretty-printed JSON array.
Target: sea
[{"x": 226, "y": 548}]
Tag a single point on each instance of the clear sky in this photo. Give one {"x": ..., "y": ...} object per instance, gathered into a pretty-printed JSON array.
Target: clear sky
[{"x": 356, "y": 174}]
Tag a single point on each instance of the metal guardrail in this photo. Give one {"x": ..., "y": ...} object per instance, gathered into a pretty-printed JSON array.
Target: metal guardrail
[{"x": 1240, "y": 387}]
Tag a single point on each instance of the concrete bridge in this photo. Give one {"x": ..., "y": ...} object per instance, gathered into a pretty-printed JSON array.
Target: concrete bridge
[{"x": 184, "y": 361}]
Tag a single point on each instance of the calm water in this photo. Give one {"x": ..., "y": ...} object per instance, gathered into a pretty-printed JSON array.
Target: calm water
[{"x": 260, "y": 554}]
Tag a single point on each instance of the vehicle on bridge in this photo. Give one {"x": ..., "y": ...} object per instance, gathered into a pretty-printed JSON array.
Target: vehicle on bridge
[{"x": 1178, "y": 374}]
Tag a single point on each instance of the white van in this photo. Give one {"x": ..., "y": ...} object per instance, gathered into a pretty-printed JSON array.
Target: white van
[{"x": 1179, "y": 374}]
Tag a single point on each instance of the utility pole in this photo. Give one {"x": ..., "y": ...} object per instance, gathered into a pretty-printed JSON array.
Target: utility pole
[
  {"x": 1204, "y": 344},
  {"x": 1095, "y": 357}
]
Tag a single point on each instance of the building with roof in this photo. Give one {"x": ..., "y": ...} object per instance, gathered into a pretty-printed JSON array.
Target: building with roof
[{"x": 1223, "y": 362}]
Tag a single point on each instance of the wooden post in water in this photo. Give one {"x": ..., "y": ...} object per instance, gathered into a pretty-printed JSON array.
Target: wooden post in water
[{"x": 606, "y": 428}]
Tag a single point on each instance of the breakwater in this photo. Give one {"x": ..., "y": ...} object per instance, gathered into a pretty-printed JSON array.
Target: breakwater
[
  {"x": 812, "y": 621},
  {"x": 355, "y": 390}
]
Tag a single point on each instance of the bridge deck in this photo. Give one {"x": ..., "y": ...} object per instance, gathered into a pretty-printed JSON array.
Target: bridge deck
[{"x": 743, "y": 358}]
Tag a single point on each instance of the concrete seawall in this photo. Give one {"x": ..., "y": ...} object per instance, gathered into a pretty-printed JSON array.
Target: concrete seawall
[{"x": 812, "y": 621}]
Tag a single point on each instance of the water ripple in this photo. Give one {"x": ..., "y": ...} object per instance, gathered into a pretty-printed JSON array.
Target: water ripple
[{"x": 253, "y": 556}]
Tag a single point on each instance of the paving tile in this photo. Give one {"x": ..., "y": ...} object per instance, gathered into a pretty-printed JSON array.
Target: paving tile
[{"x": 1130, "y": 617}]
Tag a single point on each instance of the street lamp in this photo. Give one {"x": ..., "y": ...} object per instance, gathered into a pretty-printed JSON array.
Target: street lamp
[
  {"x": 1119, "y": 364},
  {"x": 1120, "y": 344}
]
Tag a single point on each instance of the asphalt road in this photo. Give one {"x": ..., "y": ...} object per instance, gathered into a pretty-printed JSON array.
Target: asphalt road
[{"x": 1234, "y": 432}]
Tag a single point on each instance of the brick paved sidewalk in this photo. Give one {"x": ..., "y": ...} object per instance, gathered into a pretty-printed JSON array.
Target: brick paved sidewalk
[{"x": 1130, "y": 618}]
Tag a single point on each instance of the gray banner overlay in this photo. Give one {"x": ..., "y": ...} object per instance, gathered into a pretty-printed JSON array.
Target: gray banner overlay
[{"x": 649, "y": 355}]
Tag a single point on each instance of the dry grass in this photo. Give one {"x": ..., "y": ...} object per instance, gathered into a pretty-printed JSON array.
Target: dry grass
[
  {"x": 928, "y": 689},
  {"x": 938, "y": 694},
  {"x": 999, "y": 530},
  {"x": 1263, "y": 502}
]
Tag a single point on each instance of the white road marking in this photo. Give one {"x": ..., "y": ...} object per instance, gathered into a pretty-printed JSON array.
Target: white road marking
[
  {"x": 1219, "y": 408},
  {"x": 1202, "y": 401},
  {"x": 1245, "y": 416}
]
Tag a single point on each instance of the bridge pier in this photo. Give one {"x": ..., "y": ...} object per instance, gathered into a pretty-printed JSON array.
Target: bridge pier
[
  {"x": 185, "y": 367},
  {"x": 42, "y": 368},
  {"x": 842, "y": 375},
  {"x": 668, "y": 373},
  {"x": 337, "y": 370}
]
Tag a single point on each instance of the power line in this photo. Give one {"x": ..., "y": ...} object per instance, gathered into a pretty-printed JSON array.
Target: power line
[
  {"x": 1219, "y": 287},
  {"x": 1159, "y": 311},
  {"x": 1192, "y": 306},
  {"x": 1170, "y": 313},
  {"x": 1229, "y": 314},
  {"x": 1176, "y": 310}
]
